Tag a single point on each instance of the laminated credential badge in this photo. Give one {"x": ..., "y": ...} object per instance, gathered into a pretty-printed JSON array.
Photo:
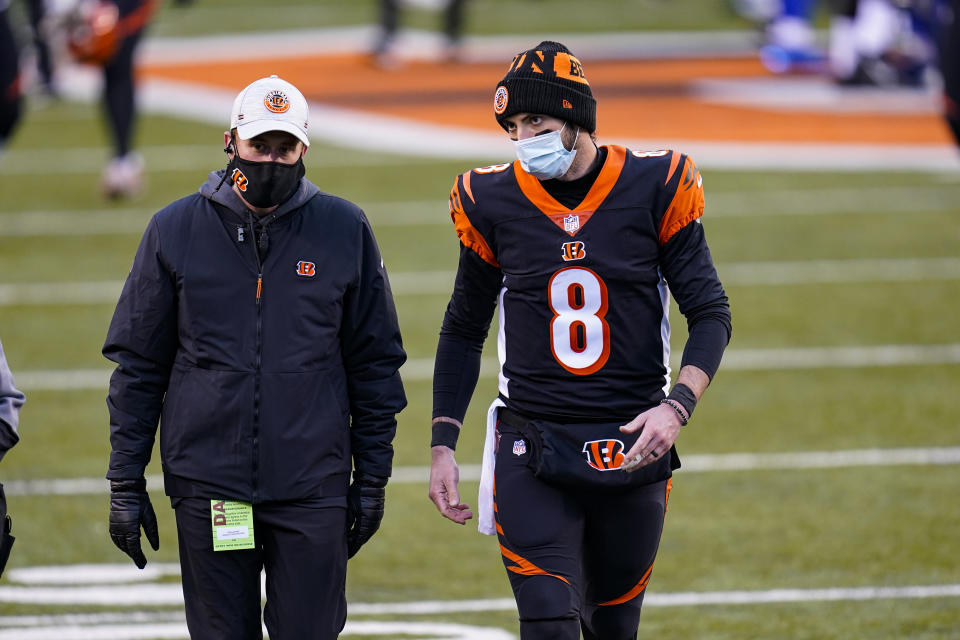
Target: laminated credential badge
[{"x": 232, "y": 525}]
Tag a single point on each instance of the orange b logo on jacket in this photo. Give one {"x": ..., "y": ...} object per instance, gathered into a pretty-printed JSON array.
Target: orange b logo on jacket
[
  {"x": 306, "y": 269},
  {"x": 604, "y": 455}
]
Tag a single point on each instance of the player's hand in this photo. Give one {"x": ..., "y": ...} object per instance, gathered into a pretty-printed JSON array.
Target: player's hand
[
  {"x": 130, "y": 509},
  {"x": 365, "y": 503},
  {"x": 444, "y": 478},
  {"x": 659, "y": 428}
]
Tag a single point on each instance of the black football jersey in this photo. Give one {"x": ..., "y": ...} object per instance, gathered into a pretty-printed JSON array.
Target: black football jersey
[{"x": 584, "y": 331}]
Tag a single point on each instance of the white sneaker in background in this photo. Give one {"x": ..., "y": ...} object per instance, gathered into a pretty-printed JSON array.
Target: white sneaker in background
[{"x": 123, "y": 176}]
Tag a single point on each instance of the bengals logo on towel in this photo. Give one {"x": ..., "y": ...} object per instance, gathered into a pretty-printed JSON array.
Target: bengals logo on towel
[{"x": 604, "y": 455}]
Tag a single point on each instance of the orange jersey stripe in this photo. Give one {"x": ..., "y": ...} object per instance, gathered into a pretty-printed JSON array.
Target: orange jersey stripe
[
  {"x": 687, "y": 204},
  {"x": 466, "y": 186},
  {"x": 469, "y": 236},
  {"x": 674, "y": 161}
]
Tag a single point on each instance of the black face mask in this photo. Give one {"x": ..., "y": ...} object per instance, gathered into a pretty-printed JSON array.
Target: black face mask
[{"x": 264, "y": 184}]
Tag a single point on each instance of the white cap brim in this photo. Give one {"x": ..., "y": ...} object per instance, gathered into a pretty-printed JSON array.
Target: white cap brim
[{"x": 249, "y": 130}]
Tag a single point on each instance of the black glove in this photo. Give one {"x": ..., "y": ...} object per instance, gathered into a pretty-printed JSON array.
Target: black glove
[
  {"x": 364, "y": 509},
  {"x": 130, "y": 509},
  {"x": 6, "y": 540}
]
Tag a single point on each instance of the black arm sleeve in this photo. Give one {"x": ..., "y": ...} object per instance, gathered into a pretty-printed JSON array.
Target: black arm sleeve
[
  {"x": 142, "y": 340},
  {"x": 372, "y": 355},
  {"x": 465, "y": 326},
  {"x": 688, "y": 268}
]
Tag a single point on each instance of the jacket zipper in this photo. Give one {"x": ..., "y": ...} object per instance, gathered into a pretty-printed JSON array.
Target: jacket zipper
[{"x": 259, "y": 363}]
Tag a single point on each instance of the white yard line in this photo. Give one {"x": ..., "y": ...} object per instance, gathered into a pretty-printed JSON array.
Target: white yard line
[
  {"x": 853, "y": 270},
  {"x": 170, "y": 594},
  {"x": 692, "y": 463},
  {"x": 440, "y": 282},
  {"x": 720, "y": 206},
  {"x": 140, "y": 625},
  {"x": 165, "y": 158},
  {"x": 421, "y": 369}
]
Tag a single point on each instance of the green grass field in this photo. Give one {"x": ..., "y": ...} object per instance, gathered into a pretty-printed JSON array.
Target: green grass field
[{"x": 862, "y": 250}]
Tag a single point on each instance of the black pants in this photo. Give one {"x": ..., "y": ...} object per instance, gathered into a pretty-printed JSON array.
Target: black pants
[
  {"x": 577, "y": 560},
  {"x": 9, "y": 79},
  {"x": 302, "y": 549},
  {"x": 452, "y": 18},
  {"x": 118, "y": 86}
]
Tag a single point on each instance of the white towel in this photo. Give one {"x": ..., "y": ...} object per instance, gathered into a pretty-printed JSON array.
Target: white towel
[{"x": 486, "y": 523}]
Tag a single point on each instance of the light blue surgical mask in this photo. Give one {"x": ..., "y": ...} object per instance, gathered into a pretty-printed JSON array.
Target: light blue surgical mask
[{"x": 544, "y": 156}]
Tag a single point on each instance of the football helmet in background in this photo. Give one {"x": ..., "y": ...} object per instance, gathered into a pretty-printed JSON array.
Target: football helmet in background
[{"x": 93, "y": 31}]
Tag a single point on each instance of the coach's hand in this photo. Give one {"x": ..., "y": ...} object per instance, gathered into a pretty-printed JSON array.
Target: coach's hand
[
  {"x": 444, "y": 478},
  {"x": 365, "y": 500},
  {"x": 130, "y": 509},
  {"x": 659, "y": 428}
]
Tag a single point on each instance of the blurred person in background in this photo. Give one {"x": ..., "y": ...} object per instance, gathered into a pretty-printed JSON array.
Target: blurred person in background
[
  {"x": 581, "y": 246},
  {"x": 883, "y": 43},
  {"x": 10, "y": 402},
  {"x": 258, "y": 327},
  {"x": 384, "y": 51},
  {"x": 106, "y": 34},
  {"x": 790, "y": 40},
  {"x": 948, "y": 21},
  {"x": 37, "y": 12},
  {"x": 10, "y": 91},
  {"x": 880, "y": 43}
]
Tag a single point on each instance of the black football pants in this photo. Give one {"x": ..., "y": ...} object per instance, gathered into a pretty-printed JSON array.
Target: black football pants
[
  {"x": 577, "y": 560},
  {"x": 303, "y": 549},
  {"x": 10, "y": 101}
]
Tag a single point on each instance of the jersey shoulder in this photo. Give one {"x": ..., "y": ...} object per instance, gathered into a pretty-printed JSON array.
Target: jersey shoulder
[
  {"x": 679, "y": 187},
  {"x": 471, "y": 197}
]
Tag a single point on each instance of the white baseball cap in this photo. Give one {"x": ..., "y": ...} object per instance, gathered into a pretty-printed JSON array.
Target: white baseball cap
[{"x": 270, "y": 104}]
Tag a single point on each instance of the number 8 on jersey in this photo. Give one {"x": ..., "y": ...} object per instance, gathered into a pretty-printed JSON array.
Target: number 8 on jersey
[{"x": 579, "y": 335}]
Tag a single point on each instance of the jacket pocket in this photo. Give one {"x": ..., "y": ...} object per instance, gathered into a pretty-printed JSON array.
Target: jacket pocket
[
  {"x": 206, "y": 431},
  {"x": 304, "y": 434}
]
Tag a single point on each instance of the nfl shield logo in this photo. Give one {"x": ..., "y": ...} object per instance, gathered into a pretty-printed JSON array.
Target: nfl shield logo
[
  {"x": 519, "y": 447},
  {"x": 571, "y": 223}
]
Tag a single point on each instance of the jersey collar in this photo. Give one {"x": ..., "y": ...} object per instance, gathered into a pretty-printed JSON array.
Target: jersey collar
[{"x": 548, "y": 205}]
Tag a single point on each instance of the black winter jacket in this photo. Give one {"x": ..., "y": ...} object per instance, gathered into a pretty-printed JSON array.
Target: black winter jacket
[{"x": 267, "y": 374}]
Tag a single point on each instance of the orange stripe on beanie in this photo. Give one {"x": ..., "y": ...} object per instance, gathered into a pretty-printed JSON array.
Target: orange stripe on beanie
[{"x": 548, "y": 80}]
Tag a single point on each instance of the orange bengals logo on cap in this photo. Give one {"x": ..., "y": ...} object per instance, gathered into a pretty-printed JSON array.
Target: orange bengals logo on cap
[
  {"x": 604, "y": 455},
  {"x": 276, "y": 102},
  {"x": 500, "y": 99}
]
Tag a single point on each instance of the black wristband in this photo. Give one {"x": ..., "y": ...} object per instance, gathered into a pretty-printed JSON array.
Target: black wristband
[
  {"x": 444, "y": 433},
  {"x": 683, "y": 395}
]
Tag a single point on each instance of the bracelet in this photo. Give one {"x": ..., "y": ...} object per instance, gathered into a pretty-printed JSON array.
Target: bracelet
[{"x": 676, "y": 407}]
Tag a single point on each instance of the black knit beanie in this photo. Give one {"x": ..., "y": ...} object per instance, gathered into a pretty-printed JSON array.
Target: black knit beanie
[{"x": 547, "y": 80}]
